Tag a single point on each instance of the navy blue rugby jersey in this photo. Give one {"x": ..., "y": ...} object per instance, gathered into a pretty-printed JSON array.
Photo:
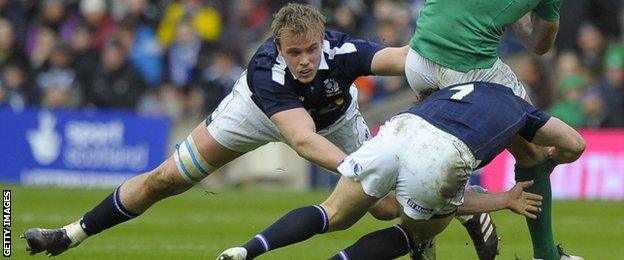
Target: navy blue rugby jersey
[
  {"x": 485, "y": 116},
  {"x": 327, "y": 97}
]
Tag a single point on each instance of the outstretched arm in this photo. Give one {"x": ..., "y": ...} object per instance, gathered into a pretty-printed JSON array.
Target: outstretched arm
[
  {"x": 298, "y": 128},
  {"x": 535, "y": 33},
  {"x": 515, "y": 199},
  {"x": 390, "y": 61}
]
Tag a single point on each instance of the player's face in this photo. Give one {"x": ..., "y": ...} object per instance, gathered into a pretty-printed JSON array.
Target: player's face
[{"x": 302, "y": 54}]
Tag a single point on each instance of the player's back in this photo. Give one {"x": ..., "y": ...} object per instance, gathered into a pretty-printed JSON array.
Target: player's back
[
  {"x": 485, "y": 116},
  {"x": 464, "y": 34}
]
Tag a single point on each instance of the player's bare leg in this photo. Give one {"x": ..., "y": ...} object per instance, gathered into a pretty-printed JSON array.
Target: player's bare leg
[{"x": 201, "y": 155}]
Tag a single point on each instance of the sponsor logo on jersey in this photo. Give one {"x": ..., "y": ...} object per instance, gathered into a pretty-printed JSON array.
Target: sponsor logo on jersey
[
  {"x": 356, "y": 167},
  {"x": 412, "y": 204}
]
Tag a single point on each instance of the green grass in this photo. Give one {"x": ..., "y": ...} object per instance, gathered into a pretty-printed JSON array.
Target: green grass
[{"x": 200, "y": 225}]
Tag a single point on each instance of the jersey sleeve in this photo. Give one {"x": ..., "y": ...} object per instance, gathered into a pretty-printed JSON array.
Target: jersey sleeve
[
  {"x": 548, "y": 10},
  {"x": 355, "y": 56},
  {"x": 535, "y": 119},
  {"x": 271, "y": 95}
]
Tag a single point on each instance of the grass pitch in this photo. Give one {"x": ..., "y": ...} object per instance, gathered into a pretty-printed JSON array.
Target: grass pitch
[{"x": 199, "y": 224}]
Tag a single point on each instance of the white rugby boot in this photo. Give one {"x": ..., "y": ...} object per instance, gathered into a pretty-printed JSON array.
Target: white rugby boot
[{"x": 234, "y": 253}]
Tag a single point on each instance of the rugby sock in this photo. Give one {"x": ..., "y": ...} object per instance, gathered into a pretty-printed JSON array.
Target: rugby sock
[
  {"x": 108, "y": 213},
  {"x": 389, "y": 243},
  {"x": 540, "y": 228},
  {"x": 75, "y": 233},
  {"x": 297, "y": 225}
]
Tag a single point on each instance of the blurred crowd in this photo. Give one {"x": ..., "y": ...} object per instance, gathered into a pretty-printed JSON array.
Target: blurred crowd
[{"x": 180, "y": 58}]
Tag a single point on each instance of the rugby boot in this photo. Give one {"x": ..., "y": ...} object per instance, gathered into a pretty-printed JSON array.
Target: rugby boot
[
  {"x": 53, "y": 241},
  {"x": 565, "y": 256},
  {"x": 234, "y": 253},
  {"x": 482, "y": 231}
]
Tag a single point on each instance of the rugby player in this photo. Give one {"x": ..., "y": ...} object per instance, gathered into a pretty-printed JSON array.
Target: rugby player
[
  {"x": 426, "y": 155},
  {"x": 456, "y": 41}
]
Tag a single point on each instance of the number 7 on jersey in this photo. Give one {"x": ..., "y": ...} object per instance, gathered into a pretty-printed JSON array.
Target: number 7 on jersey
[{"x": 464, "y": 90}]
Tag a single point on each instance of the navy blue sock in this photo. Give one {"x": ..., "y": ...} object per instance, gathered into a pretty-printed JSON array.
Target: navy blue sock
[
  {"x": 389, "y": 243},
  {"x": 108, "y": 213},
  {"x": 296, "y": 226}
]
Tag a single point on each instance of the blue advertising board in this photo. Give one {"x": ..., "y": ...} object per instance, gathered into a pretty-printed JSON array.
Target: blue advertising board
[{"x": 79, "y": 148}]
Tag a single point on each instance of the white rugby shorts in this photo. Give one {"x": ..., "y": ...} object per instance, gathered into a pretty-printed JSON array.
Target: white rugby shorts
[
  {"x": 239, "y": 125},
  {"x": 428, "y": 167},
  {"x": 424, "y": 75}
]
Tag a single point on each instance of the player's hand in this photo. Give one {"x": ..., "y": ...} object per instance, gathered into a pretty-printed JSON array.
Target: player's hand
[{"x": 522, "y": 202}]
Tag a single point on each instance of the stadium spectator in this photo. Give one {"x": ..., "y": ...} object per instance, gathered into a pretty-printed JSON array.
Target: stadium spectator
[
  {"x": 85, "y": 59},
  {"x": 57, "y": 82},
  {"x": 593, "y": 108},
  {"x": 99, "y": 21},
  {"x": 218, "y": 76},
  {"x": 10, "y": 50},
  {"x": 40, "y": 50},
  {"x": 115, "y": 83},
  {"x": 568, "y": 63},
  {"x": 56, "y": 15},
  {"x": 569, "y": 107},
  {"x": 246, "y": 22},
  {"x": 14, "y": 87},
  {"x": 181, "y": 59},
  {"x": 591, "y": 44},
  {"x": 15, "y": 12},
  {"x": 144, "y": 11},
  {"x": 142, "y": 49},
  {"x": 605, "y": 14},
  {"x": 612, "y": 86},
  {"x": 206, "y": 21},
  {"x": 344, "y": 20}
]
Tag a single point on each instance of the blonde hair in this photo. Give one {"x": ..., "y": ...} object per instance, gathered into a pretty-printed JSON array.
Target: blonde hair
[{"x": 296, "y": 20}]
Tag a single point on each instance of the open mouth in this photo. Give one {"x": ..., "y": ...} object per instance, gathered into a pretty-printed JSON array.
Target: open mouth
[{"x": 305, "y": 73}]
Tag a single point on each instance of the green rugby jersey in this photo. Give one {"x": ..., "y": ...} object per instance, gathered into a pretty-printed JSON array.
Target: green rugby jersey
[{"x": 464, "y": 34}]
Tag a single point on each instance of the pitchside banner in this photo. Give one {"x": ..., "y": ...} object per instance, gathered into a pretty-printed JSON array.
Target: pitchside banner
[
  {"x": 78, "y": 148},
  {"x": 598, "y": 174}
]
